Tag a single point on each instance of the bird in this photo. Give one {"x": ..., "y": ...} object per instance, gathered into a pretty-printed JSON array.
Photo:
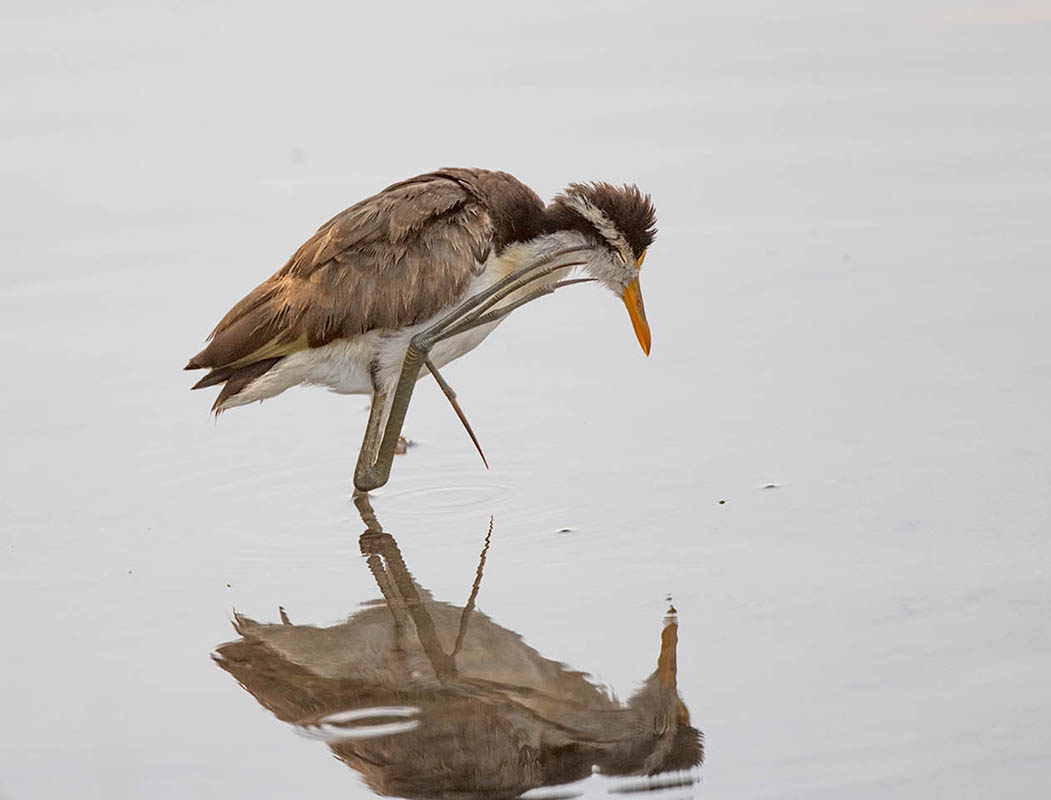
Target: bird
[{"x": 414, "y": 277}]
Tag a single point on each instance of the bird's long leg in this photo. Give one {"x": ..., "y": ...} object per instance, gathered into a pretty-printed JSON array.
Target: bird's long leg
[
  {"x": 370, "y": 444},
  {"x": 374, "y": 471},
  {"x": 471, "y": 303},
  {"x": 462, "y": 318},
  {"x": 485, "y": 319},
  {"x": 499, "y": 313}
]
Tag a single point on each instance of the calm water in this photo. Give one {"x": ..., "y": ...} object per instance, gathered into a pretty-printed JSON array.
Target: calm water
[{"x": 848, "y": 301}]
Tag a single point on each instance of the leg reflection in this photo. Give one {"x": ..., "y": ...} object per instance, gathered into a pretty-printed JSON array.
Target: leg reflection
[{"x": 426, "y": 698}]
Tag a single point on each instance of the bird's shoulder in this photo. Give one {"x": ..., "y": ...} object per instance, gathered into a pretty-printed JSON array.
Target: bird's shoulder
[{"x": 475, "y": 209}]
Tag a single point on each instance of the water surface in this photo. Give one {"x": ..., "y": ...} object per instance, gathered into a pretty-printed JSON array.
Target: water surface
[{"x": 847, "y": 297}]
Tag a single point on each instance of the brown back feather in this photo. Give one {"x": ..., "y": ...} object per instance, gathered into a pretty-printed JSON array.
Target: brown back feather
[{"x": 391, "y": 260}]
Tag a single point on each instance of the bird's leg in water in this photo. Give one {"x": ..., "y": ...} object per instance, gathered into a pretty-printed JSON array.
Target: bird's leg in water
[
  {"x": 370, "y": 445},
  {"x": 377, "y": 452}
]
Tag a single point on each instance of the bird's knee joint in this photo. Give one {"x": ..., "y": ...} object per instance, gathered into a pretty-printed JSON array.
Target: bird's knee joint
[{"x": 421, "y": 343}]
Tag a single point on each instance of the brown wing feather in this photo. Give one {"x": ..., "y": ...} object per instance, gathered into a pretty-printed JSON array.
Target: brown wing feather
[{"x": 392, "y": 260}]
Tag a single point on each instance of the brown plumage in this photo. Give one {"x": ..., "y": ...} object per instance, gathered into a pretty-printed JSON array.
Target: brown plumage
[
  {"x": 414, "y": 277},
  {"x": 387, "y": 262}
]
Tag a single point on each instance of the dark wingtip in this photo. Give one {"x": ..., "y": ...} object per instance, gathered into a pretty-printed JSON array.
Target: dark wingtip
[
  {"x": 203, "y": 382},
  {"x": 236, "y": 378},
  {"x": 216, "y": 375},
  {"x": 191, "y": 364}
]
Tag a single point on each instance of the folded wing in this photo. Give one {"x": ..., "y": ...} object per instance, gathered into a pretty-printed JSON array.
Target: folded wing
[{"x": 392, "y": 260}]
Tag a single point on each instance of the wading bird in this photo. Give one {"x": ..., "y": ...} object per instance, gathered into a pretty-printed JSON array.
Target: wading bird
[{"x": 416, "y": 276}]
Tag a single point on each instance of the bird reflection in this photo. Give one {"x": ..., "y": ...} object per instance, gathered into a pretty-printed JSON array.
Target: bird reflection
[{"x": 427, "y": 699}]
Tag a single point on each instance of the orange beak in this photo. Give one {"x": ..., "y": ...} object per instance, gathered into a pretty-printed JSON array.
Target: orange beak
[{"x": 637, "y": 312}]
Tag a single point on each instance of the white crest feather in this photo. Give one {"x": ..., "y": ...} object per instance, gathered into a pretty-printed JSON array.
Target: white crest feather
[{"x": 603, "y": 224}]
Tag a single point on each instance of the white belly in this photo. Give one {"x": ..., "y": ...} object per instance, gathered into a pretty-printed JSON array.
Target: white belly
[{"x": 344, "y": 366}]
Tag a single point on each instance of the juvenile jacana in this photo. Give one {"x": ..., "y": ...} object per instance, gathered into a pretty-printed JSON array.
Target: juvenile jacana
[{"x": 417, "y": 275}]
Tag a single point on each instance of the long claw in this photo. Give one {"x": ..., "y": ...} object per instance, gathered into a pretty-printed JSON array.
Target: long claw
[
  {"x": 571, "y": 281},
  {"x": 467, "y": 426},
  {"x": 447, "y": 390}
]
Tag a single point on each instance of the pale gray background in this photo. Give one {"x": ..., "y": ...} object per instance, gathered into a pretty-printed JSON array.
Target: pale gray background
[{"x": 848, "y": 298}]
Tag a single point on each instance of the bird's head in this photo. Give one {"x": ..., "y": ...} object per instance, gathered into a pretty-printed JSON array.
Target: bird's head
[{"x": 619, "y": 223}]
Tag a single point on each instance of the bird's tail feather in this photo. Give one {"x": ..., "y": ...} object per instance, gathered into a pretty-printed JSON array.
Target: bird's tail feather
[{"x": 235, "y": 379}]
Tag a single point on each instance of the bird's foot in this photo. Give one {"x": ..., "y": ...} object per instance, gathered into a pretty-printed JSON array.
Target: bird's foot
[{"x": 403, "y": 445}]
